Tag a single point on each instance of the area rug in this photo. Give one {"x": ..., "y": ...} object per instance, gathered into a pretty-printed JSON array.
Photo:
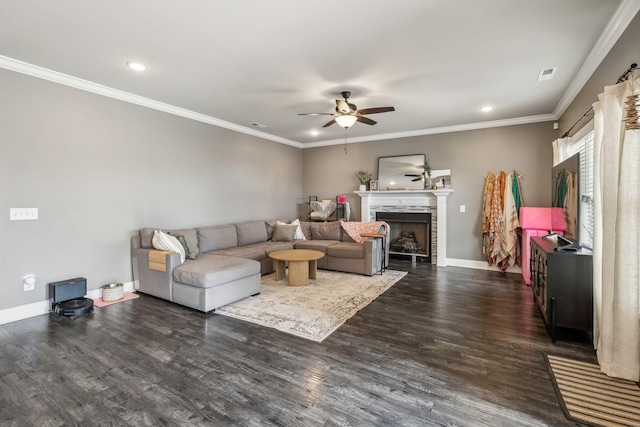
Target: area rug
[
  {"x": 99, "y": 302},
  {"x": 590, "y": 397},
  {"x": 312, "y": 311}
]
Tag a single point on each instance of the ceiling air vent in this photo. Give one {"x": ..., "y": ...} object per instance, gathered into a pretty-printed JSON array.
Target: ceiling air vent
[
  {"x": 258, "y": 125},
  {"x": 546, "y": 74}
]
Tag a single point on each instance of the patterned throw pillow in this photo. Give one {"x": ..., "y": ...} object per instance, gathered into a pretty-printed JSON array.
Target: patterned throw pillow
[{"x": 165, "y": 242}]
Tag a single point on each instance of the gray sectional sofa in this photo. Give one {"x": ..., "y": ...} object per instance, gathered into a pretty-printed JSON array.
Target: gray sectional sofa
[{"x": 227, "y": 260}]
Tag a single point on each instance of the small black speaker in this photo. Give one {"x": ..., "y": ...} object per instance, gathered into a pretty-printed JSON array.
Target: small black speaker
[{"x": 66, "y": 290}]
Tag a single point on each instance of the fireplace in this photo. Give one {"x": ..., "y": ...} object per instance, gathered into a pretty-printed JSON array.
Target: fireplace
[
  {"x": 412, "y": 201},
  {"x": 410, "y": 233}
]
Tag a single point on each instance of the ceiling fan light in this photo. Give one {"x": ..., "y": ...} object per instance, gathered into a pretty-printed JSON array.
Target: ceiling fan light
[{"x": 346, "y": 120}]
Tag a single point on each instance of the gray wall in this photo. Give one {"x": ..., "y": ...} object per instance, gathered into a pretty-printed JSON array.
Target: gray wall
[
  {"x": 99, "y": 169},
  {"x": 470, "y": 155},
  {"x": 625, "y": 52}
]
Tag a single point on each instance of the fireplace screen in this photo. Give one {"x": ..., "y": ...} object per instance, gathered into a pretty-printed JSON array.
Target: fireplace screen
[{"x": 410, "y": 233}]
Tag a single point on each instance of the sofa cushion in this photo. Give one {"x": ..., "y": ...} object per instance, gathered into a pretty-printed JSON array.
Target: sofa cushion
[
  {"x": 248, "y": 252},
  {"x": 326, "y": 230},
  {"x": 213, "y": 270},
  {"x": 146, "y": 237},
  {"x": 251, "y": 232},
  {"x": 305, "y": 226},
  {"x": 346, "y": 250},
  {"x": 217, "y": 237},
  {"x": 271, "y": 246},
  {"x": 316, "y": 245}
]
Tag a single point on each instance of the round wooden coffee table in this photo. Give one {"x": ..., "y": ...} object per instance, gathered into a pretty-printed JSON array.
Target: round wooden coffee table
[{"x": 303, "y": 265}]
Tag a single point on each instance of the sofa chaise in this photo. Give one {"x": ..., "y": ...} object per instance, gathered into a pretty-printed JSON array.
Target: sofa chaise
[{"x": 225, "y": 262}]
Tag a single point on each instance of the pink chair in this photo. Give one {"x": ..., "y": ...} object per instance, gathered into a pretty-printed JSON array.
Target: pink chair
[{"x": 537, "y": 222}]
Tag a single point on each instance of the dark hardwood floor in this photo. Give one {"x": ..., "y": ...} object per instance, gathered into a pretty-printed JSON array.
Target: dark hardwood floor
[{"x": 444, "y": 346}]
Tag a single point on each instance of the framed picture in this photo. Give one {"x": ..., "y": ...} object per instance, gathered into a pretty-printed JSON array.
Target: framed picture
[{"x": 373, "y": 185}]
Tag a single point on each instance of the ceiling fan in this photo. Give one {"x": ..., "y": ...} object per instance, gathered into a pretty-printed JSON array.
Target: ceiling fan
[
  {"x": 347, "y": 113},
  {"x": 420, "y": 177}
]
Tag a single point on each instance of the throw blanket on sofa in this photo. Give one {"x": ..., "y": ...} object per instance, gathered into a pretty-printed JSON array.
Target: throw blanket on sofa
[{"x": 355, "y": 229}]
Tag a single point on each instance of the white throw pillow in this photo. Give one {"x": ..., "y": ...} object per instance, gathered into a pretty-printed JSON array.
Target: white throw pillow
[
  {"x": 165, "y": 242},
  {"x": 299, "y": 234}
]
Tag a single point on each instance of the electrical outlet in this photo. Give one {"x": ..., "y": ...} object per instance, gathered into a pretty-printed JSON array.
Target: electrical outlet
[
  {"x": 29, "y": 282},
  {"x": 23, "y": 214}
]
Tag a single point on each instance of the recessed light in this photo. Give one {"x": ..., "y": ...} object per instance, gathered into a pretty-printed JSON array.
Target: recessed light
[
  {"x": 486, "y": 108},
  {"x": 136, "y": 66},
  {"x": 314, "y": 132}
]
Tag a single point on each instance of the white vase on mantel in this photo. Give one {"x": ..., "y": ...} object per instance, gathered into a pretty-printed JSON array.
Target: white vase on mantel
[{"x": 363, "y": 187}]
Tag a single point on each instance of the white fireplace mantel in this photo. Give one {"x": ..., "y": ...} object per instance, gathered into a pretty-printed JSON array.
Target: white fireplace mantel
[{"x": 425, "y": 198}]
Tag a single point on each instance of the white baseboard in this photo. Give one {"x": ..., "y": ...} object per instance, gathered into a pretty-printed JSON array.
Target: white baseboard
[
  {"x": 13, "y": 314},
  {"x": 480, "y": 265}
]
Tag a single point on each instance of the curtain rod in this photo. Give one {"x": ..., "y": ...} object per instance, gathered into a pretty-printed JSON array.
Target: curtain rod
[{"x": 624, "y": 76}]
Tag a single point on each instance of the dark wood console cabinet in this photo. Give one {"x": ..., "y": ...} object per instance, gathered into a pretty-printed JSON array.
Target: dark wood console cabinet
[{"x": 562, "y": 284}]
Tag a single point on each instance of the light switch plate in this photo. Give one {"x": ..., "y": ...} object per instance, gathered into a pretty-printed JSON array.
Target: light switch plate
[
  {"x": 23, "y": 214},
  {"x": 463, "y": 208}
]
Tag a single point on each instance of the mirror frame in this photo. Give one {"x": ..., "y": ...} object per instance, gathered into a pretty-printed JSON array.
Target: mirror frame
[{"x": 392, "y": 171}]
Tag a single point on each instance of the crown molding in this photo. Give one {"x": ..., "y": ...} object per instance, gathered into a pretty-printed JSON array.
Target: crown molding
[
  {"x": 618, "y": 23},
  {"x": 620, "y": 20},
  {"x": 77, "y": 83},
  {"x": 433, "y": 131}
]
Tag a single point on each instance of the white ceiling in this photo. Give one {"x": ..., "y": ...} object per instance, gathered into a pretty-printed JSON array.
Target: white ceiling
[{"x": 236, "y": 62}]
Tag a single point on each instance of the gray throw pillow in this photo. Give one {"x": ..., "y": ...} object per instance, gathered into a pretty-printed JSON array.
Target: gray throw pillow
[
  {"x": 284, "y": 232},
  {"x": 191, "y": 254}
]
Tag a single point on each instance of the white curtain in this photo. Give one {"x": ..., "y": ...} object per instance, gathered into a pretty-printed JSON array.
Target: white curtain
[
  {"x": 616, "y": 254},
  {"x": 562, "y": 149}
]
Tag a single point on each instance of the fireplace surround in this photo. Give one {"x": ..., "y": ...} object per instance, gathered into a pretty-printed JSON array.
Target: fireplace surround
[{"x": 416, "y": 201}]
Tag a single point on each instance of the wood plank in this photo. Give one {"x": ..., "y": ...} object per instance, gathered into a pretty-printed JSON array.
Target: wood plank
[
  {"x": 157, "y": 260},
  {"x": 444, "y": 346}
]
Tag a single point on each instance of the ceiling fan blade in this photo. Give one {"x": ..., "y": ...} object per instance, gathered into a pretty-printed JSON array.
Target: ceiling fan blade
[
  {"x": 342, "y": 106},
  {"x": 413, "y": 174},
  {"x": 366, "y": 120},
  {"x": 329, "y": 123},
  {"x": 376, "y": 110},
  {"x": 416, "y": 179},
  {"x": 315, "y": 114}
]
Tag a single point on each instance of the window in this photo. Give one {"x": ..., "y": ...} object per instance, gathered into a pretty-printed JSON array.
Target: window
[
  {"x": 586, "y": 191},
  {"x": 583, "y": 143}
]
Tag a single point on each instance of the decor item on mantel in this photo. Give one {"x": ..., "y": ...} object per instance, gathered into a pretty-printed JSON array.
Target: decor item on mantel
[
  {"x": 396, "y": 173},
  {"x": 427, "y": 174},
  {"x": 364, "y": 177}
]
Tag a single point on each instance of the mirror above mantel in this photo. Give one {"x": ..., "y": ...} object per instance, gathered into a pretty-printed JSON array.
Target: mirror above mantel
[{"x": 393, "y": 171}]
